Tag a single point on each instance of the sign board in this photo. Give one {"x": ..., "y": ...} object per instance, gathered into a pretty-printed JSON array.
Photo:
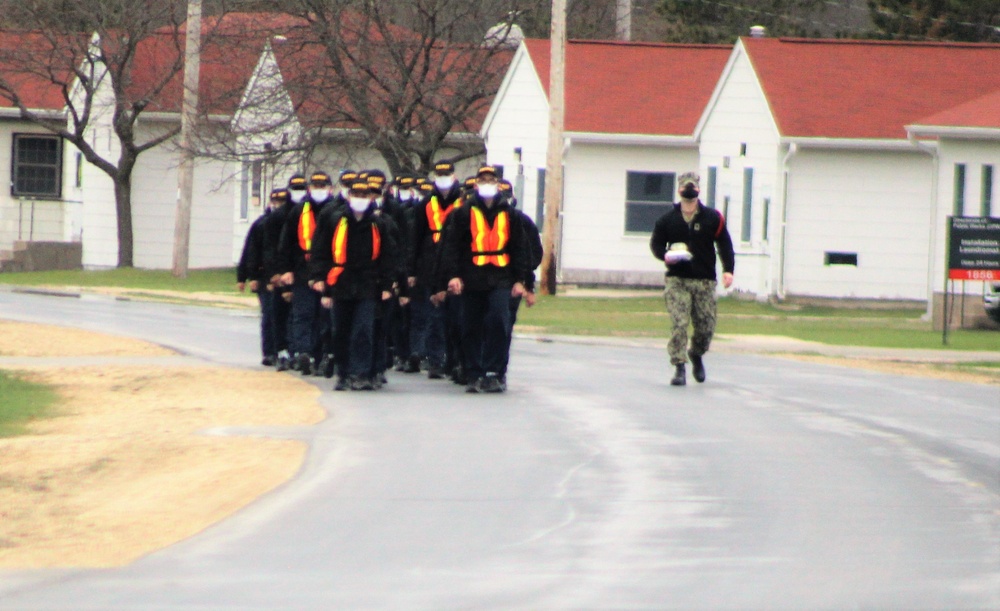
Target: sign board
[{"x": 974, "y": 248}]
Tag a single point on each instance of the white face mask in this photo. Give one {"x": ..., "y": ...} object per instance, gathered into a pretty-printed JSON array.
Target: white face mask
[
  {"x": 359, "y": 204},
  {"x": 405, "y": 195},
  {"x": 444, "y": 182},
  {"x": 487, "y": 191},
  {"x": 297, "y": 195},
  {"x": 319, "y": 195}
]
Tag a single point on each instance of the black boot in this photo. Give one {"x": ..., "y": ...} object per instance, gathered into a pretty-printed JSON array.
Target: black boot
[
  {"x": 679, "y": 379},
  {"x": 697, "y": 368}
]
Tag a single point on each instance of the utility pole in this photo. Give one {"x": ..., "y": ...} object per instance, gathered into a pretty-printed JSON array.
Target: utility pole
[
  {"x": 554, "y": 157},
  {"x": 189, "y": 115},
  {"x": 623, "y": 20}
]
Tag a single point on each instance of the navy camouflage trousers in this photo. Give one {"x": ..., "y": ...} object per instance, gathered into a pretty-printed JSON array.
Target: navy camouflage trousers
[{"x": 689, "y": 301}]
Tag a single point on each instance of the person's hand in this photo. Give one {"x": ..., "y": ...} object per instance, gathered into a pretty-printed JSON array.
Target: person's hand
[
  {"x": 326, "y": 302},
  {"x": 529, "y": 298},
  {"x": 455, "y": 286},
  {"x": 517, "y": 290},
  {"x": 276, "y": 280},
  {"x": 254, "y": 285},
  {"x": 386, "y": 295},
  {"x": 240, "y": 286},
  {"x": 438, "y": 298},
  {"x": 411, "y": 281},
  {"x": 287, "y": 296},
  {"x": 404, "y": 301},
  {"x": 727, "y": 280},
  {"x": 288, "y": 278},
  {"x": 319, "y": 286}
]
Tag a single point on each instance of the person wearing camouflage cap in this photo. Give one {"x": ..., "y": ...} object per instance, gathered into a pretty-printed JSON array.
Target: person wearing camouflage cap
[{"x": 686, "y": 239}]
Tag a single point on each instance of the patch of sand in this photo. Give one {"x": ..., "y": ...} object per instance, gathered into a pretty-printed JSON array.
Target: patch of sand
[
  {"x": 123, "y": 468},
  {"x": 29, "y": 340},
  {"x": 943, "y": 371}
]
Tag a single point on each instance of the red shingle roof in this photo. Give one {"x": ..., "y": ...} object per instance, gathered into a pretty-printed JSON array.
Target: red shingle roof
[
  {"x": 981, "y": 112},
  {"x": 634, "y": 88},
  {"x": 867, "y": 89},
  {"x": 231, "y": 47}
]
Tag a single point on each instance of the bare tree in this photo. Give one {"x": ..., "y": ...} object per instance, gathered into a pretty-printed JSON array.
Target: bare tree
[
  {"x": 112, "y": 61},
  {"x": 405, "y": 78}
]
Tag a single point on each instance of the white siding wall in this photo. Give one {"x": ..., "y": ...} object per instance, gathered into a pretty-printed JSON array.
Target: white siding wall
[
  {"x": 521, "y": 120},
  {"x": 154, "y": 209},
  {"x": 594, "y": 239},
  {"x": 875, "y": 204},
  {"x": 740, "y": 116},
  {"x": 33, "y": 218},
  {"x": 100, "y": 229},
  {"x": 974, "y": 154}
]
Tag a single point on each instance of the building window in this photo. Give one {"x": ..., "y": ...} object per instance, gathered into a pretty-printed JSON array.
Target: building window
[
  {"x": 987, "y": 198},
  {"x": 713, "y": 180},
  {"x": 767, "y": 214},
  {"x": 747, "y": 204},
  {"x": 648, "y": 196},
  {"x": 540, "y": 199},
  {"x": 959, "y": 207},
  {"x": 251, "y": 182},
  {"x": 840, "y": 258},
  {"x": 37, "y": 166}
]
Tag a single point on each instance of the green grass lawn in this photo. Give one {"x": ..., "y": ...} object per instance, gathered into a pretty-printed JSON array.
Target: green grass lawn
[
  {"x": 200, "y": 280},
  {"x": 647, "y": 317},
  {"x": 22, "y": 402},
  {"x": 614, "y": 316}
]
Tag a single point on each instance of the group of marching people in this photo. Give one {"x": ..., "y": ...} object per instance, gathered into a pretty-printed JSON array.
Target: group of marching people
[{"x": 416, "y": 274}]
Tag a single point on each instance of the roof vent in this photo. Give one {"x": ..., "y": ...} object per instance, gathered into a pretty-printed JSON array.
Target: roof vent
[{"x": 758, "y": 31}]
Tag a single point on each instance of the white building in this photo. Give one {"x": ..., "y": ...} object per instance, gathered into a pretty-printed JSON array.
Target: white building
[
  {"x": 631, "y": 113},
  {"x": 802, "y": 144}
]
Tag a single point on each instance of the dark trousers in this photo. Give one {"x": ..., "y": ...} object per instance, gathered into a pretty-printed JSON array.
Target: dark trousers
[
  {"x": 427, "y": 336},
  {"x": 515, "y": 304},
  {"x": 354, "y": 336},
  {"x": 267, "y": 322},
  {"x": 381, "y": 335},
  {"x": 486, "y": 331},
  {"x": 454, "y": 323},
  {"x": 401, "y": 331},
  {"x": 280, "y": 313},
  {"x": 306, "y": 322}
]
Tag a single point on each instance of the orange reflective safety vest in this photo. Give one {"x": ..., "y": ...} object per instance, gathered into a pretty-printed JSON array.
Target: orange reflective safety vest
[
  {"x": 436, "y": 215},
  {"x": 489, "y": 243},
  {"x": 307, "y": 226},
  {"x": 339, "y": 246}
]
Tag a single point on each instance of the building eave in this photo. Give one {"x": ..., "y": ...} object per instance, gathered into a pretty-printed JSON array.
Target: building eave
[
  {"x": 959, "y": 133},
  {"x": 862, "y": 144},
  {"x": 631, "y": 139}
]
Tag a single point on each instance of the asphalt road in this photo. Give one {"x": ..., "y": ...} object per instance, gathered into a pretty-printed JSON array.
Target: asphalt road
[{"x": 591, "y": 484}]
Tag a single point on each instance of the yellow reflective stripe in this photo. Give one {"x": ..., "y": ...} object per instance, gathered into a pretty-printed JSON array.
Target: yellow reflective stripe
[
  {"x": 502, "y": 234},
  {"x": 306, "y": 227},
  {"x": 479, "y": 236},
  {"x": 340, "y": 242}
]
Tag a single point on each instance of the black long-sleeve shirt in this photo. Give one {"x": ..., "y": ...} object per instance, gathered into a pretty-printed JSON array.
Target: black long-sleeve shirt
[
  {"x": 363, "y": 277},
  {"x": 706, "y": 232},
  {"x": 251, "y": 265},
  {"x": 457, "y": 258}
]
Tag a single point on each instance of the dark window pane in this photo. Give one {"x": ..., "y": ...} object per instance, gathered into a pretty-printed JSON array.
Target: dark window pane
[
  {"x": 642, "y": 217},
  {"x": 37, "y": 166},
  {"x": 649, "y": 186}
]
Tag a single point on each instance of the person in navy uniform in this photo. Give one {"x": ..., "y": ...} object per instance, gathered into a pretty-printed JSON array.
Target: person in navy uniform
[
  {"x": 352, "y": 265},
  {"x": 308, "y": 324},
  {"x": 485, "y": 260}
]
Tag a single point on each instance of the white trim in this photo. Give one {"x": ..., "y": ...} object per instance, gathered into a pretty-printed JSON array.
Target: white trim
[
  {"x": 960, "y": 132},
  {"x": 865, "y": 144},
  {"x": 631, "y": 139},
  {"x": 45, "y": 113}
]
